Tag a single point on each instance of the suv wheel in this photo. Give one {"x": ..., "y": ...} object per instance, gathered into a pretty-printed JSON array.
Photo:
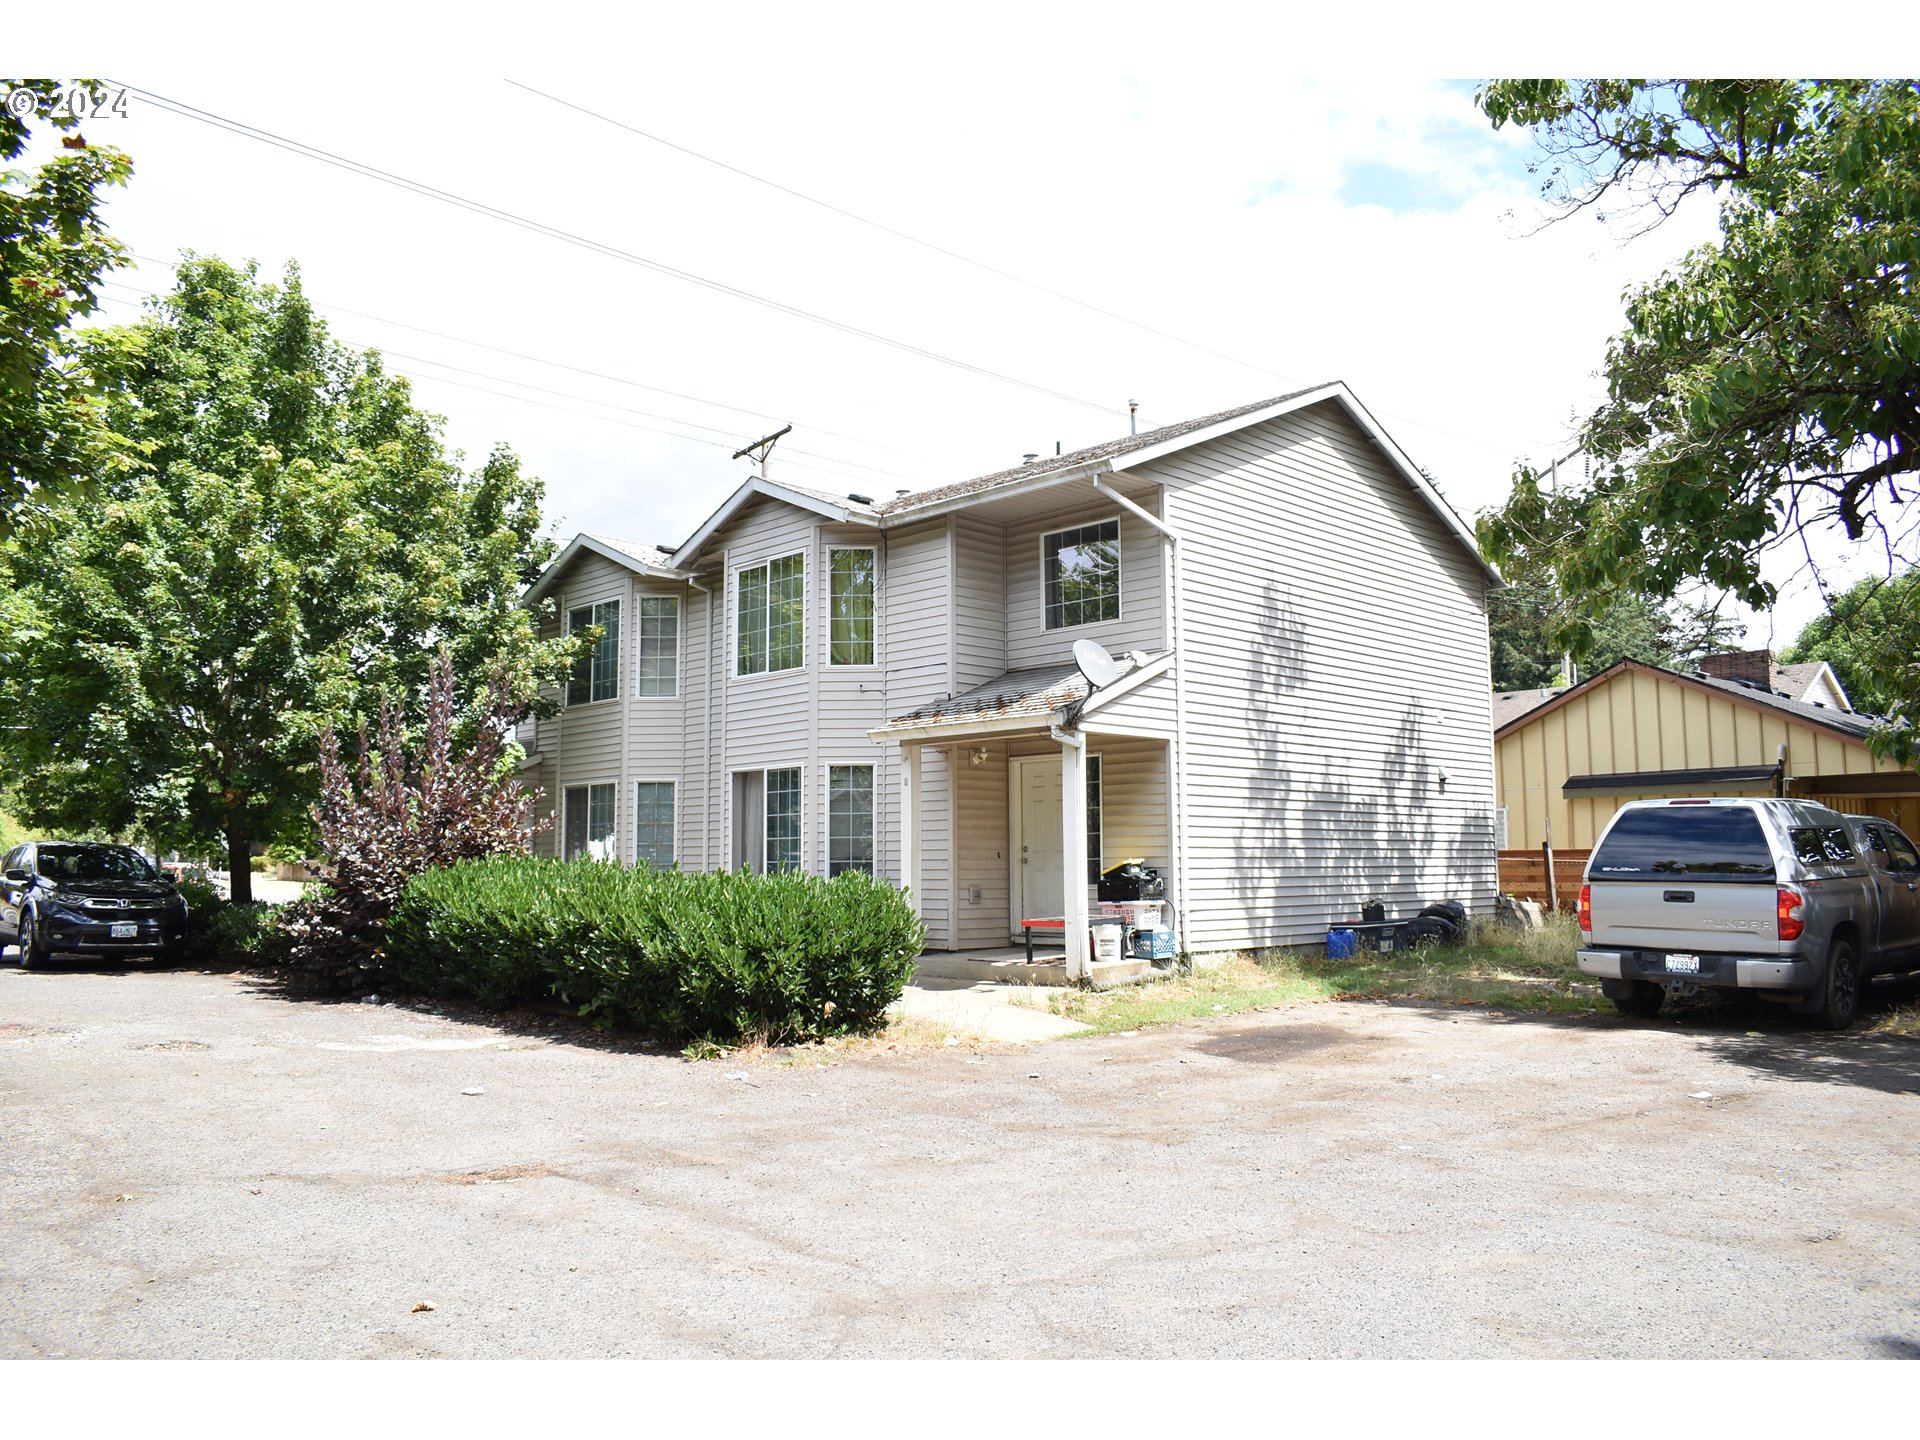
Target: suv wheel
[
  {"x": 1642, "y": 1001},
  {"x": 1840, "y": 995},
  {"x": 33, "y": 945}
]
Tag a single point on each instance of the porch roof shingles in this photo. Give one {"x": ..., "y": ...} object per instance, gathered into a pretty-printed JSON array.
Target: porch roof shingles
[{"x": 1031, "y": 697}]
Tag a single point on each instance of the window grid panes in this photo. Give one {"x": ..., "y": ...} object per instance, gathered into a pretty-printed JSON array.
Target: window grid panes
[
  {"x": 1082, "y": 570},
  {"x": 772, "y": 607},
  {"x": 850, "y": 607},
  {"x": 659, "y": 646},
  {"x": 596, "y": 674},
  {"x": 1093, "y": 816},
  {"x": 783, "y": 820},
  {"x": 653, "y": 823},
  {"x": 849, "y": 818},
  {"x": 589, "y": 822}
]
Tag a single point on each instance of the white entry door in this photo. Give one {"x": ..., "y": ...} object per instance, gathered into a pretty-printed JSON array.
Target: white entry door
[{"x": 1039, "y": 862}]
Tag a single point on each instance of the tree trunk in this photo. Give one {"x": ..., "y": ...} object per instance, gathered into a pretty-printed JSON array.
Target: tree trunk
[{"x": 239, "y": 864}]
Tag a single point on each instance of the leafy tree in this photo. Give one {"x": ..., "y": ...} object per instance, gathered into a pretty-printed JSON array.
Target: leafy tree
[
  {"x": 1770, "y": 382},
  {"x": 1526, "y": 655},
  {"x": 297, "y": 549},
  {"x": 1870, "y": 635},
  {"x": 54, "y": 248}
]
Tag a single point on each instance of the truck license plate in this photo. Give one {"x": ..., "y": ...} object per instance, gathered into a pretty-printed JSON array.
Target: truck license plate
[
  {"x": 1683, "y": 964},
  {"x": 123, "y": 930}
]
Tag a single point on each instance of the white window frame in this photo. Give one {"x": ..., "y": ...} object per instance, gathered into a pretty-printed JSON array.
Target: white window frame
[
  {"x": 826, "y": 607},
  {"x": 679, "y": 643},
  {"x": 733, "y": 813},
  {"x": 1119, "y": 571},
  {"x": 739, "y": 616},
  {"x": 613, "y": 832},
  {"x": 592, "y": 607},
  {"x": 673, "y": 823},
  {"x": 873, "y": 812}
]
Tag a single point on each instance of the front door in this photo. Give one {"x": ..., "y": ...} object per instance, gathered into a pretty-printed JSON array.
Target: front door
[{"x": 1039, "y": 861}]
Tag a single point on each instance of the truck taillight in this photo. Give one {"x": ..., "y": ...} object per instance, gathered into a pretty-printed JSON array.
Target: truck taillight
[
  {"x": 1586, "y": 909},
  {"x": 1792, "y": 914}
]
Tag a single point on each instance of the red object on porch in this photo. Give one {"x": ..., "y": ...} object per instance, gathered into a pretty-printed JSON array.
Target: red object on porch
[{"x": 1041, "y": 922}]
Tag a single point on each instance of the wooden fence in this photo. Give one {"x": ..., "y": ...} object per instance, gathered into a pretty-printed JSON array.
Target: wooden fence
[{"x": 1524, "y": 873}]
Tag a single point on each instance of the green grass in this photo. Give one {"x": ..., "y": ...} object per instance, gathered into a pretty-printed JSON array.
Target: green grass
[{"x": 1498, "y": 968}]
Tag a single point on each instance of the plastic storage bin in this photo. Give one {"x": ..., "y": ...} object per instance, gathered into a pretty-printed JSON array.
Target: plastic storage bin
[
  {"x": 1341, "y": 944},
  {"x": 1153, "y": 945}
]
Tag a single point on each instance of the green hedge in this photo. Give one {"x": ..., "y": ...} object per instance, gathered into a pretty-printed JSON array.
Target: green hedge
[{"x": 715, "y": 956}]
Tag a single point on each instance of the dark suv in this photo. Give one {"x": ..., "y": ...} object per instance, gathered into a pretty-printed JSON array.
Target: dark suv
[{"x": 57, "y": 896}]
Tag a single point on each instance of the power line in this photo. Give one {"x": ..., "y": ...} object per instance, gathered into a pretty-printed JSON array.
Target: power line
[
  {"x": 759, "y": 415},
  {"x": 598, "y": 247}
]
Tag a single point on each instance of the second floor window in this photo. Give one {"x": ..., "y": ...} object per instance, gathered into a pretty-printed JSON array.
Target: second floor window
[
  {"x": 1082, "y": 572},
  {"x": 596, "y": 674},
  {"x": 850, "y": 607},
  {"x": 659, "y": 646},
  {"x": 771, "y": 604}
]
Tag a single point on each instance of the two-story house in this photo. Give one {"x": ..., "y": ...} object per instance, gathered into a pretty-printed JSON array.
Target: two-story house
[{"x": 1300, "y": 719}]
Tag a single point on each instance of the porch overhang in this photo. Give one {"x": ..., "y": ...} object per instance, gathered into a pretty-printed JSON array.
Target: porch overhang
[{"x": 1020, "y": 702}]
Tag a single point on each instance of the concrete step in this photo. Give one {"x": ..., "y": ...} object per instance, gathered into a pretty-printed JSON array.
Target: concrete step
[{"x": 1016, "y": 970}]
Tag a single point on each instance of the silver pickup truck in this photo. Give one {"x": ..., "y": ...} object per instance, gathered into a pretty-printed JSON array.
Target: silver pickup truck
[{"x": 1798, "y": 902}]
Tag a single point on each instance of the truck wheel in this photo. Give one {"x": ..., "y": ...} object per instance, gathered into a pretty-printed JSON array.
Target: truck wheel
[
  {"x": 1840, "y": 995},
  {"x": 1642, "y": 1000}
]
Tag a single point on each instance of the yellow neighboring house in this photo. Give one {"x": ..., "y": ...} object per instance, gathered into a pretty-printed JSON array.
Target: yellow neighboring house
[{"x": 1567, "y": 759}]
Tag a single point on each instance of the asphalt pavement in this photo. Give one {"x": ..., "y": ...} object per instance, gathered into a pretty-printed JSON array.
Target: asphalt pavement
[{"x": 197, "y": 1166}]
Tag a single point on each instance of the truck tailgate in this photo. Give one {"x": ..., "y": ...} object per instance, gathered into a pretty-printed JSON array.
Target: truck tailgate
[{"x": 1686, "y": 914}]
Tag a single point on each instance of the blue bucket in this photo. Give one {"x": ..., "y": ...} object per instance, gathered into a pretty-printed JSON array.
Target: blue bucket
[{"x": 1341, "y": 944}]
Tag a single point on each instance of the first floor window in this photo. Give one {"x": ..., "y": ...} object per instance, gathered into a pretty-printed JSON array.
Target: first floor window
[
  {"x": 596, "y": 674},
  {"x": 849, "y": 818},
  {"x": 1093, "y": 816},
  {"x": 766, "y": 820},
  {"x": 1081, "y": 571},
  {"x": 653, "y": 823},
  {"x": 783, "y": 820},
  {"x": 589, "y": 822}
]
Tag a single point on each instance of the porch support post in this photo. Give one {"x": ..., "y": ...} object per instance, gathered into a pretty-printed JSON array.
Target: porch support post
[
  {"x": 1073, "y": 835},
  {"x": 910, "y": 824}
]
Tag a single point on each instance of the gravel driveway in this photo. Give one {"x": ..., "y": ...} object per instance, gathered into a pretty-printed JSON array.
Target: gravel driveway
[{"x": 195, "y": 1166}]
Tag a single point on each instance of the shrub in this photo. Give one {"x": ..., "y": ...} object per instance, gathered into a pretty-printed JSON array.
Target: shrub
[
  {"x": 231, "y": 931},
  {"x": 396, "y": 816},
  {"x": 719, "y": 956}
]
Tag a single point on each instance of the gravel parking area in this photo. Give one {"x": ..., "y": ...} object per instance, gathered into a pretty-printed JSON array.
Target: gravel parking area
[{"x": 196, "y": 1166}]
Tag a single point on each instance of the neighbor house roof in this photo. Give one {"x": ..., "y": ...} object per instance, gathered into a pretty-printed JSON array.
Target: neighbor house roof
[
  {"x": 1841, "y": 722},
  {"x": 639, "y": 558},
  {"x": 1045, "y": 694},
  {"x": 1512, "y": 704},
  {"x": 1797, "y": 680}
]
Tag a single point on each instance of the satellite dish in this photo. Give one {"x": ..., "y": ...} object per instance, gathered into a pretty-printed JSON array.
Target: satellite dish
[{"x": 1095, "y": 663}]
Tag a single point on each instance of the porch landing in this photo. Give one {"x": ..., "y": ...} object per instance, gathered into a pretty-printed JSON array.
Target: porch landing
[{"x": 1011, "y": 967}]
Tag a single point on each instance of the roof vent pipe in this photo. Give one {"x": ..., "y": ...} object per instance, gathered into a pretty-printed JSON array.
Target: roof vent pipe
[
  {"x": 901, "y": 493},
  {"x": 1133, "y": 417}
]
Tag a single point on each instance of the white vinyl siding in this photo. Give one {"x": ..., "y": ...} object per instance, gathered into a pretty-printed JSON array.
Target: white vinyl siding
[
  {"x": 849, "y": 819},
  {"x": 851, "y": 576},
  {"x": 596, "y": 675},
  {"x": 653, "y": 823},
  {"x": 657, "y": 675}
]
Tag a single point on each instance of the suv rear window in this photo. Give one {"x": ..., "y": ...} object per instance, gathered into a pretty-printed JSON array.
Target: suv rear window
[{"x": 1706, "y": 840}]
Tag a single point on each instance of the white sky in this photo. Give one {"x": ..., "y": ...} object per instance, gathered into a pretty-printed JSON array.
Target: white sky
[{"x": 1168, "y": 164}]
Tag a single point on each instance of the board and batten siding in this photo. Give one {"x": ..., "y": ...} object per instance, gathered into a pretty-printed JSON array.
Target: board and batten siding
[
  {"x": 1639, "y": 721},
  {"x": 1337, "y": 686}
]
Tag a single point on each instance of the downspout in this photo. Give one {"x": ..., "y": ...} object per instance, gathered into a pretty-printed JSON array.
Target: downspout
[
  {"x": 706, "y": 748},
  {"x": 1170, "y": 541}
]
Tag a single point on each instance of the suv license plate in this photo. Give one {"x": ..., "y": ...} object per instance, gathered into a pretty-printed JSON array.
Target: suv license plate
[
  {"x": 1683, "y": 964},
  {"x": 123, "y": 930}
]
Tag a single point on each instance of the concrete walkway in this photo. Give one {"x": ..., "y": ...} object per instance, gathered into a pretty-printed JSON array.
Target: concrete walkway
[{"x": 983, "y": 1009}]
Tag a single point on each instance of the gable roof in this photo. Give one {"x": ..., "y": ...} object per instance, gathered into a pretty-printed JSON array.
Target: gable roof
[
  {"x": 1112, "y": 455},
  {"x": 1797, "y": 680},
  {"x": 843, "y": 509},
  {"x": 641, "y": 559},
  {"x": 1842, "y": 722}
]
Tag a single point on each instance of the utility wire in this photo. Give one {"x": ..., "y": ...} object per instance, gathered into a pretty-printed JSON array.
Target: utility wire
[
  {"x": 310, "y": 152},
  {"x": 757, "y": 415}
]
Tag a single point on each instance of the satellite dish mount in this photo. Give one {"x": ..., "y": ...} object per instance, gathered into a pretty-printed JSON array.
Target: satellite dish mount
[
  {"x": 1095, "y": 663},
  {"x": 762, "y": 448}
]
